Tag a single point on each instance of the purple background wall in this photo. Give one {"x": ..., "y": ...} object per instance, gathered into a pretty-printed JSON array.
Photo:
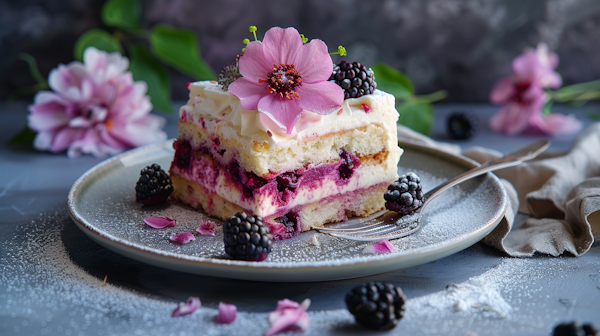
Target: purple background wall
[{"x": 462, "y": 46}]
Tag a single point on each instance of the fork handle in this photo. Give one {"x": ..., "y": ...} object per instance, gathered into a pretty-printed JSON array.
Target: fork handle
[{"x": 485, "y": 167}]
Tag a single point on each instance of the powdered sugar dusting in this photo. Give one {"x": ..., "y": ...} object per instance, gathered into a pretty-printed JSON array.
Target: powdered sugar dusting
[{"x": 43, "y": 291}]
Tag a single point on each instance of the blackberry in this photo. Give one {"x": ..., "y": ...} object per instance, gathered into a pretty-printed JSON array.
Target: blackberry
[
  {"x": 462, "y": 125},
  {"x": 575, "y": 329},
  {"x": 376, "y": 306},
  {"x": 154, "y": 186},
  {"x": 246, "y": 238},
  {"x": 404, "y": 195},
  {"x": 354, "y": 78}
]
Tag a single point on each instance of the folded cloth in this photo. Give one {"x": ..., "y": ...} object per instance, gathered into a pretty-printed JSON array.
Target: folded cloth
[{"x": 559, "y": 191}]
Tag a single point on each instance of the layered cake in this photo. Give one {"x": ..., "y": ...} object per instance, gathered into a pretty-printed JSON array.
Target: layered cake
[{"x": 316, "y": 160}]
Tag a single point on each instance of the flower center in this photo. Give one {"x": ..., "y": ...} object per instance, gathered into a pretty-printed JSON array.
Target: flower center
[
  {"x": 283, "y": 80},
  {"x": 520, "y": 90}
]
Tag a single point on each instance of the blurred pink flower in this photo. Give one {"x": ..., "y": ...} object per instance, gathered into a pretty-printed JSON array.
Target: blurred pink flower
[
  {"x": 523, "y": 96},
  {"x": 95, "y": 108},
  {"x": 282, "y": 76}
]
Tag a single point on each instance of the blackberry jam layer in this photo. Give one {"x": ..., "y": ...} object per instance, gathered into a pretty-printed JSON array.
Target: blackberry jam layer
[{"x": 274, "y": 195}]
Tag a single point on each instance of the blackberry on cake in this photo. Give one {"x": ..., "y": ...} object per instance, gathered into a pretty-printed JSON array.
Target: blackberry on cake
[
  {"x": 404, "y": 195},
  {"x": 462, "y": 125},
  {"x": 321, "y": 159},
  {"x": 246, "y": 238},
  {"x": 376, "y": 305},
  {"x": 354, "y": 78},
  {"x": 154, "y": 186}
]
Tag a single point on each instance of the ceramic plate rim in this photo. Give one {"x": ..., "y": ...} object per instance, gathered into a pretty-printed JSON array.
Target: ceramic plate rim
[{"x": 230, "y": 268}]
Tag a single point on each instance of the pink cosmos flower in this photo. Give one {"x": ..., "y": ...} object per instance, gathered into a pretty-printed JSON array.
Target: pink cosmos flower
[
  {"x": 282, "y": 77},
  {"x": 523, "y": 96},
  {"x": 289, "y": 316},
  {"x": 95, "y": 108}
]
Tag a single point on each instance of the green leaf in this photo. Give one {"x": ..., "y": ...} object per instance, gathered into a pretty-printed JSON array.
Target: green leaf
[
  {"x": 122, "y": 14},
  {"x": 393, "y": 81},
  {"x": 146, "y": 68},
  {"x": 594, "y": 115},
  {"x": 25, "y": 136},
  {"x": 179, "y": 49},
  {"x": 33, "y": 68},
  {"x": 96, "y": 38},
  {"x": 417, "y": 116}
]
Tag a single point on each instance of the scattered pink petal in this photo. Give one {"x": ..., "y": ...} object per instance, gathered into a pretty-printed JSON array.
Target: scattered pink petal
[
  {"x": 189, "y": 307},
  {"x": 160, "y": 222},
  {"x": 182, "y": 238},
  {"x": 383, "y": 246},
  {"x": 289, "y": 316},
  {"x": 366, "y": 108},
  {"x": 206, "y": 228},
  {"x": 226, "y": 313}
]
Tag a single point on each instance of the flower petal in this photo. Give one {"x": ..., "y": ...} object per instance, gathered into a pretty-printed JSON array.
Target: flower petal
[
  {"x": 187, "y": 308},
  {"x": 320, "y": 98},
  {"x": 383, "y": 246},
  {"x": 284, "y": 112},
  {"x": 281, "y": 45},
  {"x": 227, "y": 313},
  {"x": 47, "y": 121},
  {"x": 503, "y": 90},
  {"x": 289, "y": 316},
  {"x": 206, "y": 228},
  {"x": 160, "y": 222},
  {"x": 537, "y": 66},
  {"x": 512, "y": 119},
  {"x": 182, "y": 238},
  {"x": 253, "y": 65},
  {"x": 64, "y": 138},
  {"x": 43, "y": 140},
  {"x": 558, "y": 124},
  {"x": 313, "y": 62},
  {"x": 248, "y": 92},
  {"x": 65, "y": 77}
]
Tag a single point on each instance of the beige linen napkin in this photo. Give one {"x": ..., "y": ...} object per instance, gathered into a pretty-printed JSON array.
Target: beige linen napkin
[{"x": 561, "y": 190}]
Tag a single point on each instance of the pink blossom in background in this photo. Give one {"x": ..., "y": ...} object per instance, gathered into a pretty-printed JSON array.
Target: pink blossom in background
[
  {"x": 289, "y": 316},
  {"x": 227, "y": 313},
  {"x": 95, "y": 108},
  {"x": 301, "y": 72},
  {"x": 187, "y": 308},
  {"x": 523, "y": 96}
]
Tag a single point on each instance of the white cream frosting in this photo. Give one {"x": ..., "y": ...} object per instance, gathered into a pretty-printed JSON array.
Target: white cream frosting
[{"x": 209, "y": 101}]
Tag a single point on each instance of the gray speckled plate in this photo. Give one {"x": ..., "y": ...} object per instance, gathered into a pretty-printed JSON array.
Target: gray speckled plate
[{"x": 102, "y": 204}]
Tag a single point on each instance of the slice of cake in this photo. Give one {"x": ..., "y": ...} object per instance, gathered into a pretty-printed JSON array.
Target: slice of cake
[{"x": 294, "y": 167}]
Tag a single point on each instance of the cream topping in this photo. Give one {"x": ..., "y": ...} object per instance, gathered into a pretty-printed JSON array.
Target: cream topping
[{"x": 209, "y": 101}]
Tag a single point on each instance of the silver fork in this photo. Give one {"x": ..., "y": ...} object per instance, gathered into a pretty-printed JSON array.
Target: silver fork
[{"x": 391, "y": 225}]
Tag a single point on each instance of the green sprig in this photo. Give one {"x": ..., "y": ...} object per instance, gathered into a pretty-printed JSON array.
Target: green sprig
[
  {"x": 253, "y": 29},
  {"x": 304, "y": 39},
  {"x": 341, "y": 51}
]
